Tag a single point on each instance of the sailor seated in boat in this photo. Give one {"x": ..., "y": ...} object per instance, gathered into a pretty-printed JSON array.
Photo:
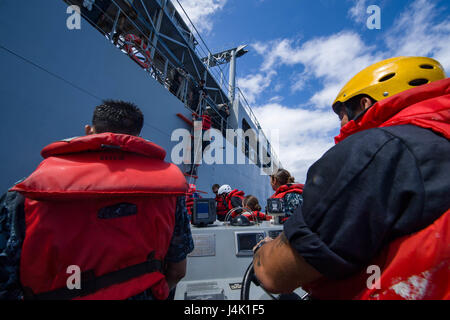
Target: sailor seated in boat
[
  {"x": 108, "y": 206},
  {"x": 251, "y": 203},
  {"x": 233, "y": 199}
]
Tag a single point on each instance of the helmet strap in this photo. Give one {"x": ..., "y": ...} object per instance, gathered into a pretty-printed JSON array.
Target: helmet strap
[
  {"x": 350, "y": 113},
  {"x": 352, "y": 116},
  {"x": 359, "y": 115}
]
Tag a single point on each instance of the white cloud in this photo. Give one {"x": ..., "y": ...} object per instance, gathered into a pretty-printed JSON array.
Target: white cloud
[
  {"x": 358, "y": 10},
  {"x": 276, "y": 99},
  {"x": 254, "y": 84},
  {"x": 416, "y": 33},
  {"x": 324, "y": 58},
  {"x": 303, "y": 134},
  {"x": 326, "y": 96},
  {"x": 299, "y": 82},
  {"x": 200, "y": 12}
]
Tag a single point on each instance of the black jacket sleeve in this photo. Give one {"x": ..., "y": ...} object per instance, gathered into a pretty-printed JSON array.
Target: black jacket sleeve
[{"x": 359, "y": 196}]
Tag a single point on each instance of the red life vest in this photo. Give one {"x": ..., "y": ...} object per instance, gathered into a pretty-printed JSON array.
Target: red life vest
[
  {"x": 415, "y": 266},
  {"x": 190, "y": 198},
  {"x": 288, "y": 188},
  {"x": 206, "y": 122},
  {"x": 261, "y": 216},
  {"x": 234, "y": 194},
  {"x": 105, "y": 203},
  {"x": 220, "y": 206}
]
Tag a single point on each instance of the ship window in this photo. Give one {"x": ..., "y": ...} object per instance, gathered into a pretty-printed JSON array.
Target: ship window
[
  {"x": 269, "y": 157},
  {"x": 258, "y": 155},
  {"x": 250, "y": 147},
  {"x": 246, "y": 127}
]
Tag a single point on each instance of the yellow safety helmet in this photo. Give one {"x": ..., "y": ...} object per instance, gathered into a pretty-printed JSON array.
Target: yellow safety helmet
[{"x": 389, "y": 77}]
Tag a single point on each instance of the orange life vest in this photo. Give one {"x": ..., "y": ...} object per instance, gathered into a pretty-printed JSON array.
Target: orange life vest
[{"x": 105, "y": 204}]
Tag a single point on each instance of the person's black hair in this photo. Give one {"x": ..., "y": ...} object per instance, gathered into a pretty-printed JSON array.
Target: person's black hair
[
  {"x": 118, "y": 116},
  {"x": 216, "y": 186}
]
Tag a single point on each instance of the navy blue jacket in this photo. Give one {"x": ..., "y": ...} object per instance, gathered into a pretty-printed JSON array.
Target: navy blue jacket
[{"x": 373, "y": 187}]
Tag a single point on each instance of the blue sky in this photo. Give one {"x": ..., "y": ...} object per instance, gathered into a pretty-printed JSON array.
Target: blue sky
[{"x": 303, "y": 51}]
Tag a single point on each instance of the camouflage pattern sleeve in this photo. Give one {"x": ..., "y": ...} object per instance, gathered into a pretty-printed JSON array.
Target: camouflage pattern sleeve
[
  {"x": 182, "y": 243},
  {"x": 12, "y": 233},
  {"x": 293, "y": 201}
]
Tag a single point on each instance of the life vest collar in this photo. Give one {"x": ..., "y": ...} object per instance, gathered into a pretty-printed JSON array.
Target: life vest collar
[
  {"x": 104, "y": 141},
  {"x": 288, "y": 188},
  {"x": 235, "y": 193},
  {"x": 426, "y": 106},
  {"x": 105, "y": 165}
]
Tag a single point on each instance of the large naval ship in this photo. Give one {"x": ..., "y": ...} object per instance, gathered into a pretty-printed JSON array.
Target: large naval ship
[{"x": 59, "y": 59}]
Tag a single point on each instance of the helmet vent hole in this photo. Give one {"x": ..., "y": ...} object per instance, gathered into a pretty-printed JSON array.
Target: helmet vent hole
[
  {"x": 418, "y": 82},
  {"x": 427, "y": 66},
  {"x": 387, "y": 77}
]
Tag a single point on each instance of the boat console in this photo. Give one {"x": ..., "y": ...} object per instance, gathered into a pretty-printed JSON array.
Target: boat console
[{"x": 217, "y": 266}]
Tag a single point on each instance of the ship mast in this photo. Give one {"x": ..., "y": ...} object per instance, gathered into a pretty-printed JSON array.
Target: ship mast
[{"x": 224, "y": 57}]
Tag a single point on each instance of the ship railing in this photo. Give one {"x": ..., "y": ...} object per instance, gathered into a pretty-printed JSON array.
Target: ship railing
[
  {"x": 120, "y": 18},
  {"x": 184, "y": 25},
  {"x": 203, "y": 50},
  {"x": 116, "y": 23},
  {"x": 185, "y": 31}
]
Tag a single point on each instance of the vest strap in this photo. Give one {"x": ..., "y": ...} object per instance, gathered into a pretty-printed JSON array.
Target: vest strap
[{"x": 91, "y": 284}]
